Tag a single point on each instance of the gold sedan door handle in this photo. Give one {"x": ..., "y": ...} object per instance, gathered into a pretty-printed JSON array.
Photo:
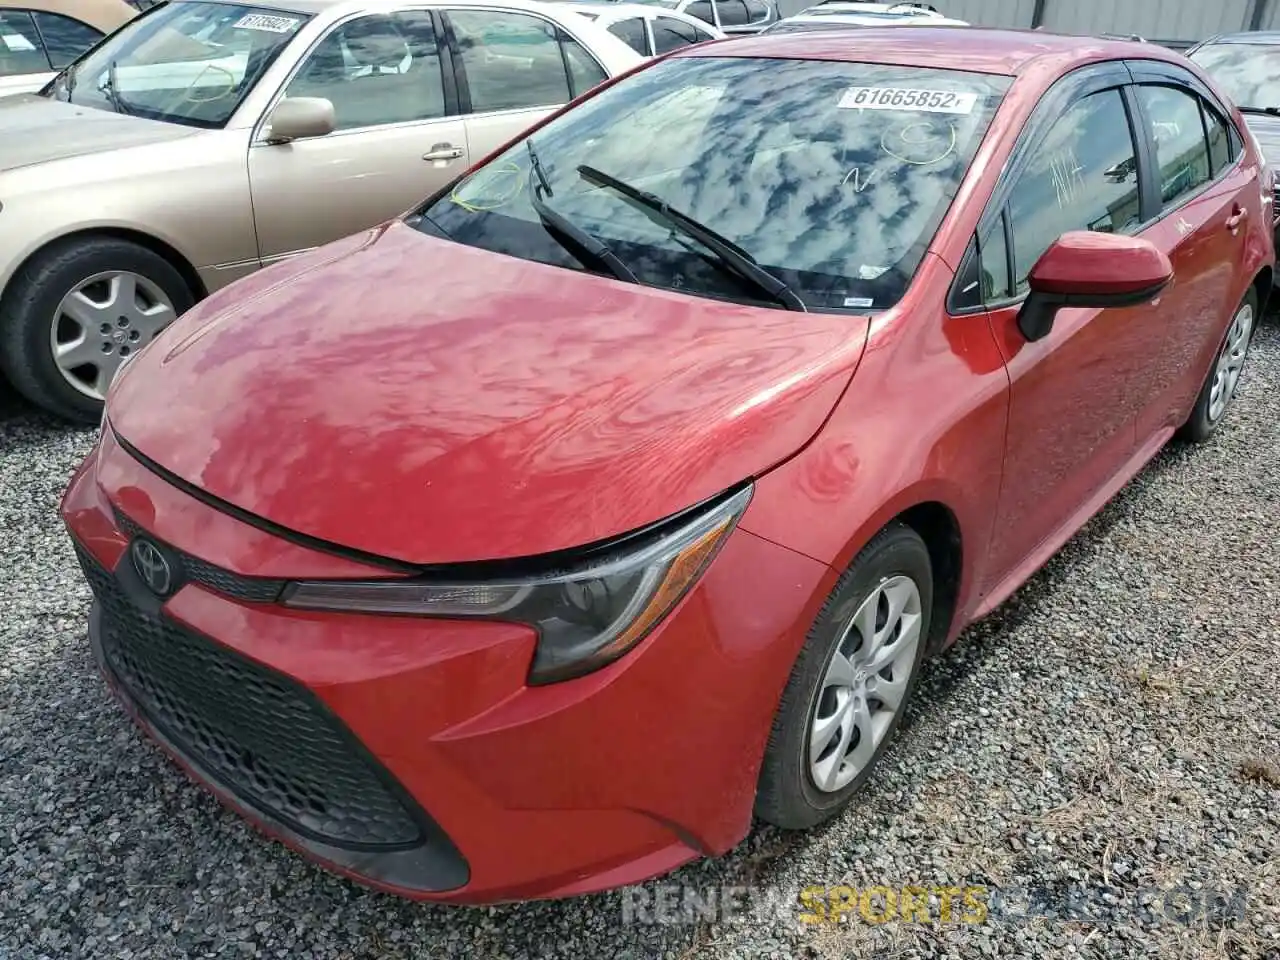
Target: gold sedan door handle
[{"x": 443, "y": 151}]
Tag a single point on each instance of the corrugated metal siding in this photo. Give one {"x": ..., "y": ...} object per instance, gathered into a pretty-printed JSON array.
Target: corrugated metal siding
[
  {"x": 1270, "y": 19},
  {"x": 1178, "y": 20},
  {"x": 990, "y": 13},
  {"x": 1153, "y": 19}
]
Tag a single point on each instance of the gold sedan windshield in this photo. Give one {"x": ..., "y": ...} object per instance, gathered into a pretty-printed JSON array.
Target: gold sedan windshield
[{"x": 185, "y": 62}]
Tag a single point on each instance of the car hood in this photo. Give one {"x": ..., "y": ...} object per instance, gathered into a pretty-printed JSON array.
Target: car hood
[
  {"x": 429, "y": 402},
  {"x": 1266, "y": 130},
  {"x": 36, "y": 129}
]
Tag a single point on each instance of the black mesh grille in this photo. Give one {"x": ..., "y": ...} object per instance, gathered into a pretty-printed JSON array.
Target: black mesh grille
[
  {"x": 258, "y": 734},
  {"x": 252, "y": 589}
]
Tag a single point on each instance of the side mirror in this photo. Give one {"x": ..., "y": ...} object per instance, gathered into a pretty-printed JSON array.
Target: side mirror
[
  {"x": 297, "y": 117},
  {"x": 1091, "y": 270}
]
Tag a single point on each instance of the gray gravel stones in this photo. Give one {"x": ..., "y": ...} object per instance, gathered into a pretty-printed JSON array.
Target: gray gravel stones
[{"x": 1112, "y": 733}]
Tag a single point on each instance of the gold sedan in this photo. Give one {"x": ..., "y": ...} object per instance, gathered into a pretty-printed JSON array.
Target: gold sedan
[{"x": 208, "y": 139}]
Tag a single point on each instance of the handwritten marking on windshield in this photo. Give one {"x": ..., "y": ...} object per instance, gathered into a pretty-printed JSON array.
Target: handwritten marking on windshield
[
  {"x": 860, "y": 184},
  {"x": 920, "y": 143},
  {"x": 1066, "y": 171}
]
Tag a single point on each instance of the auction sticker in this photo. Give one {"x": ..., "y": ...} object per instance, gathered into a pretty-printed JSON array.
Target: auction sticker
[
  {"x": 906, "y": 98},
  {"x": 17, "y": 43},
  {"x": 260, "y": 21}
]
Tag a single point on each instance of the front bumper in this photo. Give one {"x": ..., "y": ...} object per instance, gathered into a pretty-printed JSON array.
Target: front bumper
[{"x": 409, "y": 754}]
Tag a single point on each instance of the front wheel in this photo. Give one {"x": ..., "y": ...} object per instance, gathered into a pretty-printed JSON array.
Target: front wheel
[
  {"x": 78, "y": 310},
  {"x": 851, "y": 683}
]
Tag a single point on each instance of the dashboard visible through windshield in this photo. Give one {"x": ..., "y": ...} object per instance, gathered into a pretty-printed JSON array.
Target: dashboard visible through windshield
[{"x": 187, "y": 62}]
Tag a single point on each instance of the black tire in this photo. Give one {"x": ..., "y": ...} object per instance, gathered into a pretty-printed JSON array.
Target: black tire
[
  {"x": 786, "y": 795},
  {"x": 1199, "y": 427},
  {"x": 29, "y": 305}
]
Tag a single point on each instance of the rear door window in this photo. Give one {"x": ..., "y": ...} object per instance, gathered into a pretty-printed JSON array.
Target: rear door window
[
  {"x": 1182, "y": 150},
  {"x": 672, "y": 34},
  {"x": 631, "y": 32},
  {"x": 511, "y": 61},
  {"x": 21, "y": 50},
  {"x": 65, "y": 39}
]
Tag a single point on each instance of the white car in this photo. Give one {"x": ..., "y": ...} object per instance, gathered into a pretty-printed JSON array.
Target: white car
[
  {"x": 837, "y": 14},
  {"x": 649, "y": 29},
  {"x": 40, "y": 37}
]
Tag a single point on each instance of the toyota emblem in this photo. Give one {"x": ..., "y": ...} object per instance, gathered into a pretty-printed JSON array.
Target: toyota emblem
[{"x": 152, "y": 567}]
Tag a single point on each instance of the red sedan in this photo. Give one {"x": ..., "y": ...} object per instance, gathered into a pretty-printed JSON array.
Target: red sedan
[{"x": 528, "y": 545}]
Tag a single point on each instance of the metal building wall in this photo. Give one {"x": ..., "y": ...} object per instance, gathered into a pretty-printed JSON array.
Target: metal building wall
[
  {"x": 1178, "y": 22},
  {"x": 1169, "y": 20},
  {"x": 990, "y": 13}
]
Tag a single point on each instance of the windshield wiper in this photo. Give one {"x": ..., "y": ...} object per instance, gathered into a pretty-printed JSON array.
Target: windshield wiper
[
  {"x": 536, "y": 165},
  {"x": 109, "y": 89},
  {"x": 1268, "y": 111},
  {"x": 556, "y": 222},
  {"x": 728, "y": 254}
]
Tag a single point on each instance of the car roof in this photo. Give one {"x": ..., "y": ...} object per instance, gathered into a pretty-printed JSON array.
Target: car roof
[
  {"x": 851, "y": 19},
  {"x": 877, "y": 10},
  {"x": 976, "y": 49},
  {"x": 105, "y": 15},
  {"x": 1263, "y": 37},
  {"x": 616, "y": 10},
  {"x": 313, "y": 7}
]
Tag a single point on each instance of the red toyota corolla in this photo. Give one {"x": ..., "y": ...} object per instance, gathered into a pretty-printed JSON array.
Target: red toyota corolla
[{"x": 528, "y": 545}]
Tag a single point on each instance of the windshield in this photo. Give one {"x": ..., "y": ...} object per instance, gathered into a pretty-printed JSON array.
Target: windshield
[
  {"x": 832, "y": 177},
  {"x": 184, "y": 62},
  {"x": 1249, "y": 73}
]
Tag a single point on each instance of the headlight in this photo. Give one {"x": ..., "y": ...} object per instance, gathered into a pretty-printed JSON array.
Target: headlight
[{"x": 587, "y": 614}]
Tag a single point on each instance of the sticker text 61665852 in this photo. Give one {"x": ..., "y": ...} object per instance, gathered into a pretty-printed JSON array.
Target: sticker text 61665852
[{"x": 907, "y": 99}]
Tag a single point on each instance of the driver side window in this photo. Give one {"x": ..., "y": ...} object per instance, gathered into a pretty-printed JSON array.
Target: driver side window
[
  {"x": 376, "y": 70},
  {"x": 1082, "y": 176}
]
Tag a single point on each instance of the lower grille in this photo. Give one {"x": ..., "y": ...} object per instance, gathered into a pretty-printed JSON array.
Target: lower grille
[{"x": 262, "y": 737}]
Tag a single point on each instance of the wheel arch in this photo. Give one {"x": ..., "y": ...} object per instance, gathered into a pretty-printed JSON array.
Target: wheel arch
[
  {"x": 937, "y": 525},
  {"x": 142, "y": 238},
  {"x": 1263, "y": 285}
]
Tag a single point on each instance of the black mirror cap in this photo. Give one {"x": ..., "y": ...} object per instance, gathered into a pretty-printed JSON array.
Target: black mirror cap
[{"x": 1035, "y": 319}]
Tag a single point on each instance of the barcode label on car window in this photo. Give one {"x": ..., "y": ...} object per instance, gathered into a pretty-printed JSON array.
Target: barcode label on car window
[
  {"x": 260, "y": 21},
  {"x": 904, "y": 98}
]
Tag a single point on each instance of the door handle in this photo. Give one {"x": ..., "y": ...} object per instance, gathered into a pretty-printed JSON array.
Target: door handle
[
  {"x": 443, "y": 151},
  {"x": 1237, "y": 217}
]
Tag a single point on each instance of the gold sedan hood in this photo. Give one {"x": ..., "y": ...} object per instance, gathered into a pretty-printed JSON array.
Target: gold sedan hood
[{"x": 28, "y": 134}]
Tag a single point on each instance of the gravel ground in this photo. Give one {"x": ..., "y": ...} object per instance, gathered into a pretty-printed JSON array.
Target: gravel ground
[{"x": 1111, "y": 734}]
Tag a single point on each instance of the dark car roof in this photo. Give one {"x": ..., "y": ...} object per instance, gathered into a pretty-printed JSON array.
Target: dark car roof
[{"x": 977, "y": 49}]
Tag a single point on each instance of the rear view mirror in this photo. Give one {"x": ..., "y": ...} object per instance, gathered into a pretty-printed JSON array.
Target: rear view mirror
[
  {"x": 1091, "y": 270},
  {"x": 298, "y": 117}
]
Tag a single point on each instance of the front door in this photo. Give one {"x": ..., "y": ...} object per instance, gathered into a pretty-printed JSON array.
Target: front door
[
  {"x": 398, "y": 138},
  {"x": 1073, "y": 394}
]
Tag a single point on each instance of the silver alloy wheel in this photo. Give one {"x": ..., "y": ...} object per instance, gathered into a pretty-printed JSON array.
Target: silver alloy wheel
[
  {"x": 865, "y": 683},
  {"x": 1226, "y": 373},
  {"x": 103, "y": 322}
]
